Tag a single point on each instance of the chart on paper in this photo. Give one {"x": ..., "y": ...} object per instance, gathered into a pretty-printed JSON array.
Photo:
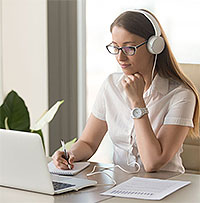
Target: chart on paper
[{"x": 146, "y": 188}]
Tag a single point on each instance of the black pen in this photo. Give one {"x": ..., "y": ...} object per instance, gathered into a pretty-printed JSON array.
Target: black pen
[{"x": 65, "y": 152}]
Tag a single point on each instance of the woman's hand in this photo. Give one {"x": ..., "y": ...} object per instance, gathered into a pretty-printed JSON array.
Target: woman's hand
[
  {"x": 134, "y": 88},
  {"x": 60, "y": 161}
]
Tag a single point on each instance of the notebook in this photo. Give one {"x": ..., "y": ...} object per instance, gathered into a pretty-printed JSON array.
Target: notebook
[
  {"x": 24, "y": 166},
  {"x": 146, "y": 188},
  {"x": 78, "y": 166}
]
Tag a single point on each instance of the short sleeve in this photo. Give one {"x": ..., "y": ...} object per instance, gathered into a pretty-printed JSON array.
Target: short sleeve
[
  {"x": 98, "y": 109},
  {"x": 181, "y": 108}
]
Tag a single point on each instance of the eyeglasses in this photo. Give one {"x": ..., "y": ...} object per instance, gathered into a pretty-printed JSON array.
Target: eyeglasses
[{"x": 127, "y": 50}]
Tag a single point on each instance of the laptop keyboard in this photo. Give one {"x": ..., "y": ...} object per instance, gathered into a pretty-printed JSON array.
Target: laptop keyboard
[{"x": 59, "y": 186}]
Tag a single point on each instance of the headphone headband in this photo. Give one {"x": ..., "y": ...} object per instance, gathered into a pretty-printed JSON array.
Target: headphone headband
[
  {"x": 156, "y": 43},
  {"x": 153, "y": 22}
]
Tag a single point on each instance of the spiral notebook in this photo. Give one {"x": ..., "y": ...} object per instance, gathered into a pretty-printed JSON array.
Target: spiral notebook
[
  {"x": 78, "y": 166},
  {"x": 146, "y": 188}
]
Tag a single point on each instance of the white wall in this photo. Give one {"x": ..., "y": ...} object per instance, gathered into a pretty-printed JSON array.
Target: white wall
[{"x": 24, "y": 54}]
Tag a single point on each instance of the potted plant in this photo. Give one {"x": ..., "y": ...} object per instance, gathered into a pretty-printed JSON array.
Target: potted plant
[{"x": 14, "y": 115}]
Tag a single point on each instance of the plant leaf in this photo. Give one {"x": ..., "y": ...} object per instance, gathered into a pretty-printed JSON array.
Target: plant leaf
[
  {"x": 47, "y": 117},
  {"x": 6, "y": 124},
  {"x": 69, "y": 144},
  {"x": 41, "y": 135},
  {"x": 16, "y": 112}
]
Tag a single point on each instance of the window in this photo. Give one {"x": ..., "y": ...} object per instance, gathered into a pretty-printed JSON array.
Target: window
[{"x": 179, "y": 19}]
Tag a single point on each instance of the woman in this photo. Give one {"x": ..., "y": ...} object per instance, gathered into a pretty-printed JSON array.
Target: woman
[{"x": 149, "y": 109}]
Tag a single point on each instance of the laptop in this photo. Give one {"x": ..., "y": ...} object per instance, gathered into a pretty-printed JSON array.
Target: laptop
[{"x": 23, "y": 165}]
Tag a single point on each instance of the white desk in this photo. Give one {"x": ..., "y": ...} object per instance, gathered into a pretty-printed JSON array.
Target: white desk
[{"x": 188, "y": 194}]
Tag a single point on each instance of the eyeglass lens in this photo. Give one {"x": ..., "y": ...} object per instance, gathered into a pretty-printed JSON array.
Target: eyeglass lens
[{"x": 126, "y": 50}]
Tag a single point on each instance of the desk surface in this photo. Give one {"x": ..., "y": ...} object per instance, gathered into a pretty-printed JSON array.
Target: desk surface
[{"x": 92, "y": 194}]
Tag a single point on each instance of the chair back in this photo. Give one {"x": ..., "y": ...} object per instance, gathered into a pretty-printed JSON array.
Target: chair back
[{"x": 191, "y": 146}]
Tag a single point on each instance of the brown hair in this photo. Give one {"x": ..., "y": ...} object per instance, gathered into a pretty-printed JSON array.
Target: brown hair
[{"x": 166, "y": 65}]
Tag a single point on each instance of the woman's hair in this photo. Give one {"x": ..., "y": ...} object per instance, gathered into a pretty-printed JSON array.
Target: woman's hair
[{"x": 166, "y": 65}]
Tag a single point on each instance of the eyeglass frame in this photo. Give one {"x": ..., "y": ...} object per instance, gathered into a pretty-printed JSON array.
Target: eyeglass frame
[{"x": 121, "y": 48}]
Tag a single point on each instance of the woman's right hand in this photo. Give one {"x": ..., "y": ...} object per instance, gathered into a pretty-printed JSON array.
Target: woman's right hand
[{"x": 60, "y": 161}]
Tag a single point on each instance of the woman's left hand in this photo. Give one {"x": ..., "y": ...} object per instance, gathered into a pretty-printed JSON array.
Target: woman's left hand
[{"x": 134, "y": 88}]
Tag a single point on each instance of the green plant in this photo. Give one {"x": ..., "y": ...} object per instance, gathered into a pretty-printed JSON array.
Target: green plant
[{"x": 14, "y": 115}]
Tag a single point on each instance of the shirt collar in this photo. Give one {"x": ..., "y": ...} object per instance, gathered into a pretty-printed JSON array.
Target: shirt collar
[
  {"x": 122, "y": 91},
  {"x": 159, "y": 84},
  {"x": 118, "y": 83}
]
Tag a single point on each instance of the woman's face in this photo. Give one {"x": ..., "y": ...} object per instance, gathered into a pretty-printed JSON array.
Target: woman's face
[{"x": 141, "y": 62}]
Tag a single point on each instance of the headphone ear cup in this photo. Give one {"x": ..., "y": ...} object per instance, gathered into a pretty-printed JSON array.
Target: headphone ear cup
[{"x": 155, "y": 44}]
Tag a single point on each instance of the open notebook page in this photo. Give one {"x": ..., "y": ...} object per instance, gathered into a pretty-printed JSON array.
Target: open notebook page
[{"x": 78, "y": 166}]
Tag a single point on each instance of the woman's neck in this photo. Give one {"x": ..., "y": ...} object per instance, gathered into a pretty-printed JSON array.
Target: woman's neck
[{"x": 148, "y": 81}]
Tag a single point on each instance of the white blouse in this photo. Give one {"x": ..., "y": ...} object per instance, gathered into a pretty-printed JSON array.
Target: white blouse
[{"x": 168, "y": 102}]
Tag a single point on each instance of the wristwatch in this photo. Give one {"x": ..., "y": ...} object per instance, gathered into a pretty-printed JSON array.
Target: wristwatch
[{"x": 139, "y": 112}]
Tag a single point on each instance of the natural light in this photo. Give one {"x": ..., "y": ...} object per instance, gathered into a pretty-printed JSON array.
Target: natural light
[{"x": 179, "y": 20}]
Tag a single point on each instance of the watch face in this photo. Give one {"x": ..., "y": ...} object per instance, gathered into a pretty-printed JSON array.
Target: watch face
[{"x": 137, "y": 113}]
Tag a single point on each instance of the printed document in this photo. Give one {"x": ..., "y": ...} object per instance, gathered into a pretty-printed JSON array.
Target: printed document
[{"x": 146, "y": 188}]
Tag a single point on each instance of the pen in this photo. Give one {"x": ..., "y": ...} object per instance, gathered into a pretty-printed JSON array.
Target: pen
[{"x": 65, "y": 152}]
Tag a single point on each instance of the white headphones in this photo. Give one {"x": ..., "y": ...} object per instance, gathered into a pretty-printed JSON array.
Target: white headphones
[{"x": 156, "y": 43}]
